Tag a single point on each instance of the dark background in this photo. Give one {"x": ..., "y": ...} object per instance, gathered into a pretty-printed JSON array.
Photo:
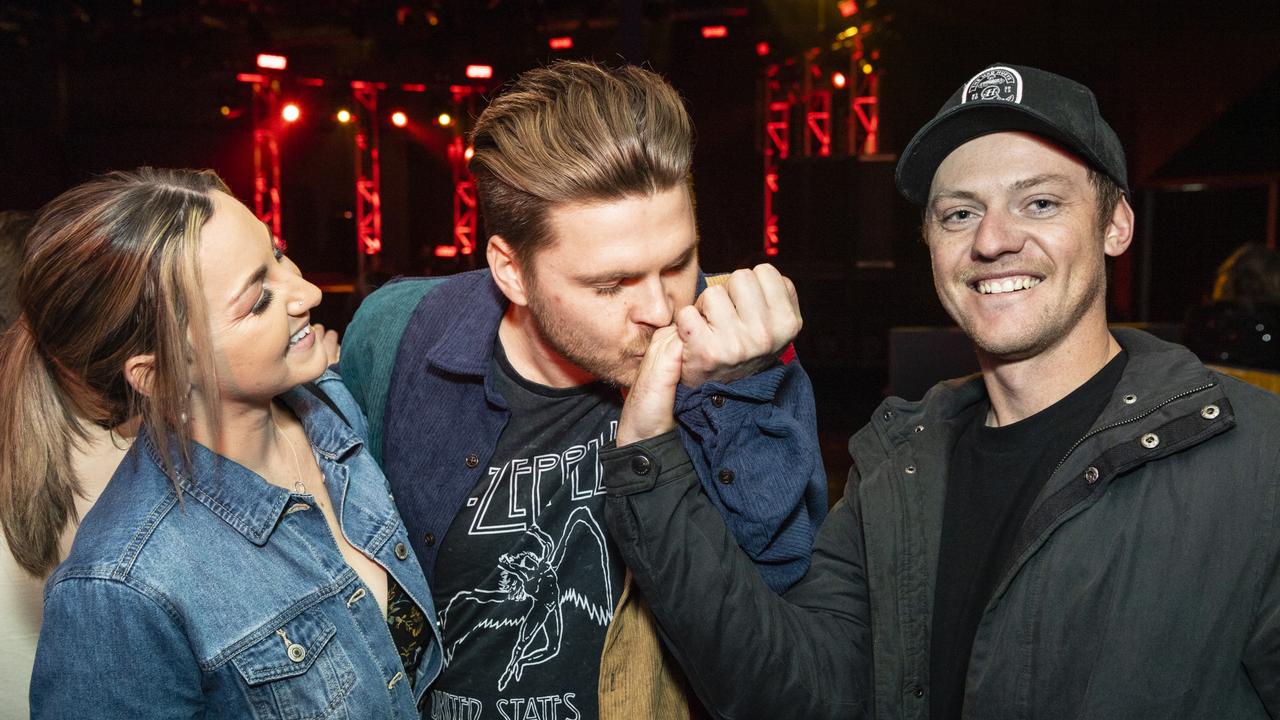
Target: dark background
[{"x": 1192, "y": 88}]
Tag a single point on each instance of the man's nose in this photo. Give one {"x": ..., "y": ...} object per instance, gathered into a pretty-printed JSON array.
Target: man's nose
[{"x": 997, "y": 234}]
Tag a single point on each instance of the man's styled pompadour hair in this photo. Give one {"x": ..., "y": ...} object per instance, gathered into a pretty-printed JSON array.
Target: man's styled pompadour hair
[{"x": 575, "y": 132}]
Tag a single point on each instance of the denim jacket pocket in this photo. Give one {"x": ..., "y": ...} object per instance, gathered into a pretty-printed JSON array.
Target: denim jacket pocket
[{"x": 297, "y": 671}]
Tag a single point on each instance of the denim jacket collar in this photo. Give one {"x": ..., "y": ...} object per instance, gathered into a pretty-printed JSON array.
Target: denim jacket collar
[{"x": 239, "y": 496}]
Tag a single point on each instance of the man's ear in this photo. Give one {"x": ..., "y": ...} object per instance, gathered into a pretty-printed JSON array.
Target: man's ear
[
  {"x": 1119, "y": 231},
  {"x": 138, "y": 372},
  {"x": 507, "y": 272}
]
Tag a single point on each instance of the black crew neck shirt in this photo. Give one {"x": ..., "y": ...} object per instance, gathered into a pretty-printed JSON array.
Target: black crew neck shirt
[
  {"x": 527, "y": 577},
  {"x": 993, "y": 479}
]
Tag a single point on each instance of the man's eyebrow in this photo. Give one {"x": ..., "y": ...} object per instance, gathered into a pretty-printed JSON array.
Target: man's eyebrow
[
  {"x": 952, "y": 195},
  {"x": 607, "y": 277},
  {"x": 1037, "y": 180},
  {"x": 684, "y": 258}
]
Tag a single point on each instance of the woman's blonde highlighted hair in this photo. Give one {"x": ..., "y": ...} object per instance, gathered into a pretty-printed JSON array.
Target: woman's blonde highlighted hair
[
  {"x": 109, "y": 272},
  {"x": 575, "y": 132}
]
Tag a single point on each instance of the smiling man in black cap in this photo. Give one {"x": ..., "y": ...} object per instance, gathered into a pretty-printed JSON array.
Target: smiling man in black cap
[{"x": 1088, "y": 529}]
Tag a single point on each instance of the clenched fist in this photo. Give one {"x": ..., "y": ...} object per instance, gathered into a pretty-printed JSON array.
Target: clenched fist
[{"x": 738, "y": 328}]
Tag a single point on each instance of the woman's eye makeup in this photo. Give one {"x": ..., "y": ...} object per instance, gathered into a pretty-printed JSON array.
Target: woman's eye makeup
[{"x": 263, "y": 302}]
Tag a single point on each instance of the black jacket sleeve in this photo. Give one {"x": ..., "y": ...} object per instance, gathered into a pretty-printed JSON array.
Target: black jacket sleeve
[{"x": 747, "y": 652}]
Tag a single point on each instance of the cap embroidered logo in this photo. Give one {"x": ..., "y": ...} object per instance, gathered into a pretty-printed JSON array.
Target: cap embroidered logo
[{"x": 994, "y": 83}]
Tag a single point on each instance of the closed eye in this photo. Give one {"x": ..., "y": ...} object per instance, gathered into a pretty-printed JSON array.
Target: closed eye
[{"x": 263, "y": 303}]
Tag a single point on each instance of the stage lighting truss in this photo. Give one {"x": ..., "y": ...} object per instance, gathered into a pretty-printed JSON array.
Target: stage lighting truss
[
  {"x": 801, "y": 109},
  {"x": 361, "y": 113}
]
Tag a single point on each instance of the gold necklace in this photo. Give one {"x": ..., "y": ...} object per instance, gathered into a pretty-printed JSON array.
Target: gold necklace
[{"x": 298, "y": 486}]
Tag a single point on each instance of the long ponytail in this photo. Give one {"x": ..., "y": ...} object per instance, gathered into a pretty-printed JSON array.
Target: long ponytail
[{"x": 37, "y": 483}]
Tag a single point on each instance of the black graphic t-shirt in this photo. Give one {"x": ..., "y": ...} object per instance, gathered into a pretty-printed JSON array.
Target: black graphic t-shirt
[{"x": 526, "y": 580}]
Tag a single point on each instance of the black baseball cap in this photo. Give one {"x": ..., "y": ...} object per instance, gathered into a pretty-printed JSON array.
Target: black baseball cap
[{"x": 1013, "y": 98}]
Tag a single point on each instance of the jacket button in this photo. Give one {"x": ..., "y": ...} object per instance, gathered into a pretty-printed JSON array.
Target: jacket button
[
  {"x": 726, "y": 477},
  {"x": 717, "y": 400},
  {"x": 917, "y": 691},
  {"x": 887, "y": 414},
  {"x": 473, "y": 460},
  {"x": 401, "y": 551},
  {"x": 919, "y": 428},
  {"x": 297, "y": 653},
  {"x": 429, "y": 539},
  {"x": 1150, "y": 440},
  {"x": 1129, "y": 399},
  {"x": 641, "y": 465},
  {"x": 1209, "y": 412},
  {"x": 911, "y": 469},
  {"x": 1091, "y": 475}
]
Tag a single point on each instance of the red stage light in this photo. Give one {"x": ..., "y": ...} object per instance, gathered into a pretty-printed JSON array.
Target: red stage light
[
  {"x": 479, "y": 72},
  {"x": 414, "y": 87},
  {"x": 762, "y": 48},
  {"x": 272, "y": 62},
  {"x": 561, "y": 43},
  {"x": 446, "y": 251},
  {"x": 847, "y": 8},
  {"x": 838, "y": 79},
  {"x": 251, "y": 78},
  {"x": 311, "y": 82},
  {"x": 715, "y": 31},
  {"x": 344, "y": 116},
  {"x": 399, "y": 119},
  {"x": 291, "y": 112}
]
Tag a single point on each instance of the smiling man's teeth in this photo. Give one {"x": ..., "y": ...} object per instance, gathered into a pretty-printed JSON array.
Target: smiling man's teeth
[
  {"x": 1004, "y": 285},
  {"x": 305, "y": 331}
]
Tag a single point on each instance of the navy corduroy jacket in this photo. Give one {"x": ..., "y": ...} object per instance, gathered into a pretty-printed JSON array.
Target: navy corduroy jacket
[{"x": 417, "y": 357}]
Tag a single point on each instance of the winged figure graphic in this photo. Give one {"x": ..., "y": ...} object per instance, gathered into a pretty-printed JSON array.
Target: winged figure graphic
[{"x": 532, "y": 598}]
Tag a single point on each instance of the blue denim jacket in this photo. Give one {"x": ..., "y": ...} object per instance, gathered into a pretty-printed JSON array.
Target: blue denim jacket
[{"x": 233, "y": 601}]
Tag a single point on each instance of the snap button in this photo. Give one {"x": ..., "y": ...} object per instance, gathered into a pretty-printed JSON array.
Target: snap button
[
  {"x": 911, "y": 469},
  {"x": 917, "y": 691},
  {"x": 887, "y": 414},
  {"x": 641, "y": 465},
  {"x": 1091, "y": 475},
  {"x": 473, "y": 460},
  {"x": 726, "y": 477},
  {"x": 1209, "y": 412},
  {"x": 429, "y": 539},
  {"x": 1150, "y": 440},
  {"x": 297, "y": 653},
  {"x": 1129, "y": 399},
  {"x": 401, "y": 551},
  {"x": 717, "y": 400},
  {"x": 919, "y": 428}
]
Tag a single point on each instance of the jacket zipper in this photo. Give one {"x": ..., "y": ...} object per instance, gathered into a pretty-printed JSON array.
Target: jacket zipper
[{"x": 1135, "y": 418}]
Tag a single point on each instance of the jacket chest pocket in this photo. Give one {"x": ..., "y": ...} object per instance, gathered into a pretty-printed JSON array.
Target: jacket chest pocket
[{"x": 298, "y": 672}]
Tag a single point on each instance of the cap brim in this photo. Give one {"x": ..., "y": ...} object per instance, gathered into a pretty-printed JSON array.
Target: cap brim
[{"x": 962, "y": 123}]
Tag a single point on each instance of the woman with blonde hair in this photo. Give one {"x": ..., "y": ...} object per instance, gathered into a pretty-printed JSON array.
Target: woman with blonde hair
[{"x": 246, "y": 559}]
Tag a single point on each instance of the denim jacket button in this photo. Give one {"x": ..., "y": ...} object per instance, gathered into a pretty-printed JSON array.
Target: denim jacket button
[
  {"x": 429, "y": 539},
  {"x": 726, "y": 477},
  {"x": 297, "y": 653},
  {"x": 473, "y": 460},
  {"x": 401, "y": 551},
  {"x": 717, "y": 400}
]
